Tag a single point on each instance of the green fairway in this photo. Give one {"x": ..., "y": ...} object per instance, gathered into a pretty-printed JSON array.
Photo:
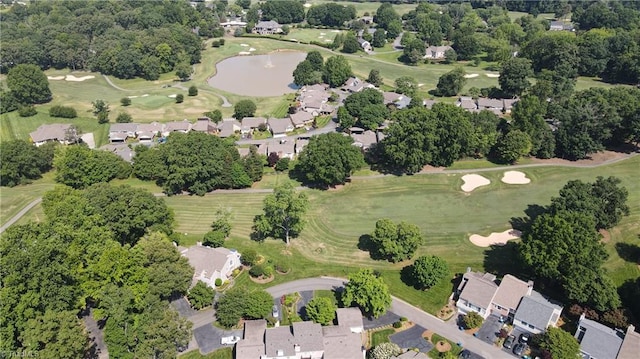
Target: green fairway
[
  {"x": 369, "y": 6},
  {"x": 13, "y": 199},
  {"x": 308, "y": 35}
]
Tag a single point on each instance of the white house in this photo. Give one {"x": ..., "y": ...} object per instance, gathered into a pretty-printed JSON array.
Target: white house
[
  {"x": 536, "y": 313},
  {"x": 211, "y": 263},
  {"x": 436, "y": 52}
]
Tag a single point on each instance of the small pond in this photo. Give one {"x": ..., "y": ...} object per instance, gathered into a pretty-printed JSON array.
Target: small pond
[{"x": 260, "y": 75}]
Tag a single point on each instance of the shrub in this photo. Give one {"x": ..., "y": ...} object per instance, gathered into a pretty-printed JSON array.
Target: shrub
[
  {"x": 193, "y": 91},
  {"x": 282, "y": 164},
  {"x": 124, "y": 117},
  {"x": 125, "y": 101},
  {"x": 397, "y": 324},
  {"x": 283, "y": 267},
  {"x": 221, "y": 41},
  {"x": 218, "y": 282},
  {"x": 403, "y": 319},
  {"x": 179, "y": 98},
  {"x": 63, "y": 111},
  {"x": 27, "y": 111},
  {"x": 472, "y": 320},
  {"x": 249, "y": 257},
  {"x": 201, "y": 295},
  {"x": 267, "y": 271},
  {"x": 213, "y": 239},
  {"x": 257, "y": 271},
  {"x": 385, "y": 351}
]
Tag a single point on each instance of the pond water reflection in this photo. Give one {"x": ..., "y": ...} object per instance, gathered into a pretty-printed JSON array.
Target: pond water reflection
[{"x": 260, "y": 75}]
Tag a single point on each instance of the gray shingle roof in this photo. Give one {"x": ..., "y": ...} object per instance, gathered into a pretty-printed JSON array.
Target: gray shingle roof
[
  {"x": 536, "y": 310},
  {"x": 54, "y": 131},
  {"x": 479, "y": 289},
  {"x": 510, "y": 292},
  {"x": 599, "y": 341},
  {"x": 280, "y": 125}
]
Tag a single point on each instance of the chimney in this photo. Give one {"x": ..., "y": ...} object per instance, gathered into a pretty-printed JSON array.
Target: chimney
[
  {"x": 296, "y": 348},
  {"x": 631, "y": 328}
]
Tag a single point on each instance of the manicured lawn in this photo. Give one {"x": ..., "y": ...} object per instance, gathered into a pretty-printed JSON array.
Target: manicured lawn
[
  {"x": 12, "y": 200},
  {"x": 435, "y": 338},
  {"x": 381, "y": 336},
  {"x": 369, "y": 6},
  {"x": 308, "y": 35},
  {"x": 224, "y": 353},
  {"x": 326, "y": 294}
]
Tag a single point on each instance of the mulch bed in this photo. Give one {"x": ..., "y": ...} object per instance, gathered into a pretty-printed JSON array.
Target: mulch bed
[{"x": 262, "y": 280}]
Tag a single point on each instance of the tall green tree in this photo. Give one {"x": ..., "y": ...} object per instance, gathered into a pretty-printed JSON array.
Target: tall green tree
[
  {"x": 80, "y": 166},
  {"x": 283, "y": 214},
  {"x": 21, "y": 161},
  {"x": 406, "y": 85},
  {"x": 329, "y": 159},
  {"x": 375, "y": 78},
  {"x": 316, "y": 60},
  {"x": 28, "y": 84},
  {"x": 336, "y": 71},
  {"x": 451, "y": 83},
  {"x": 368, "y": 291},
  {"x": 244, "y": 108},
  {"x": 528, "y": 116},
  {"x": 351, "y": 44},
  {"x": 321, "y": 310},
  {"x": 306, "y": 74},
  {"x": 55, "y": 335},
  {"x": 427, "y": 271},
  {"x": 396, "y": 242},
  {"x": 513, "y": 145},
  {"x": 514, "y": 76},
  {"x": 559, "y": 344},
  {"x": 201, "y": 295}
]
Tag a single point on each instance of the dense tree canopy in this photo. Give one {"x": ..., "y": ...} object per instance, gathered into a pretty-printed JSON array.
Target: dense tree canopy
[
  {"x": 283, "y": 11},
  {"x": 283, "y": 214},
  {"x": 80, "y": 166},
  {"x": 329, "y": 159},
  {"x": 201, "y": 295},
  {"x": 195, "y": 162},
  {"x": 321, "y": 310},
  {"x": 451, "y": 83},
  {"x": 528, "y": 117},
  {"x": 559, "y": 344},
  {"x": 305, "y": 74},
  {"x": 28, "y": 84},
  {"x": 336, "y": 71},
  {"x": 368, "y": 291},
  {"x": 396, "y": 242},
  {"x": 244, "y": 108},
  {"x": 330, "y": 14},
  {"x": 21, "y": 161},
  {"x": 514, "y": 75},
  {"x": 427, "y": 271},
  {"x": 239, "y": 302},
  {"x": 367, "y": 109},
  {"x": 512, "y": 145}
]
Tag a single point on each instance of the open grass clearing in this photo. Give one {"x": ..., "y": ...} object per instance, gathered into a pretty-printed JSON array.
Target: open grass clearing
[
  {"x": 369, "y": 6},
  {"x": 14, "y": 199},
  {"x": 380, "y": 336},
  {"x": 308, "y": 35}
]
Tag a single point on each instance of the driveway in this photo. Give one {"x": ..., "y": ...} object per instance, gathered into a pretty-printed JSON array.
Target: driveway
[
  {"x": 412, "y": 338},
  {"x": 208, "y": 337},
  {"x": 305, "y": 297},
  {"x": 489, "y": 329},
  {"x": 387, "y": 319},
  {"x": 182, "y": 306}
]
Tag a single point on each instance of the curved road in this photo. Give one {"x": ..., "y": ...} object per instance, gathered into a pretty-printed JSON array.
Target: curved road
[{"x": 19, "y": 215}]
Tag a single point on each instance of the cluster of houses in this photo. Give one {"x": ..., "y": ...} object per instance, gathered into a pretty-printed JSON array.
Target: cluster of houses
[
  {"x": 497, "y": 106},
  {"x": 516, "y": 301}
]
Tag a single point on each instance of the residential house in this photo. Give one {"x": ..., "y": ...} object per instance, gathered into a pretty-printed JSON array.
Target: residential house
[
  {"x": 363, "y": 139},
  {"x": 54, "y": 132},
  {"x": 280, "y": 126},
  {"x": 467, "y": 103},
  {"x": 204, "y": 124},
  {"x": 402, "y": 102},
  {"x": 301, "y": 118},
  {"x": 429, "y": 103},
  {"x": 301, "y": 143},
  {"x": 119, "y": 132},
  {"x": 598, "y": 341},
  {"x": 228, "y": 127},
  {"x": 147, "y": 131},
  {"x": 509, "y": 294},
  {"x": 630, "y": 345},
  {"x": 267, "y": 28},
  {"x": 183, "y": 126},
  {"x": 560, "y": 26},
  {"x": 476, "y": 293},
  {"x": 366, "y": 45},
  {"x": 233, "y": 23},
  {"x": 491, "y": 104},
  {"x": 120, "y": 149},
  {"x": 436, "y": 52},
  {"x": 367, "y": 20},
  {"x": 536, "y": 313},
  {"x": 313, "y": 99},
  {"x": 508, "y": 104},
  {"x": 390, "y": 97},
  {"x": 303, "y": 340},
  {"x": 250, "y": 124},
  {"x": 354, "y": 84},
  {"x": 350, "y": 318},
  {"x": 284, "y": 148},
  {"x": 211, "y": 263}
]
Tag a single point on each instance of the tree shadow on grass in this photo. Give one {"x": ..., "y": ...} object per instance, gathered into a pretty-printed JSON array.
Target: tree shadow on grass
[
  {"x": 504, "y": 259},
  {"x": 366, "y": 244},
  {"x": 406, "y": 276},
  {"x": 628, "y": 252},
  {"x": 524, "y": 223}
]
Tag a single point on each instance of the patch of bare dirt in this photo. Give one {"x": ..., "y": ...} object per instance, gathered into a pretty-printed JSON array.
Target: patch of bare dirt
[
  {"x": 427, "y": 334},
  {"x": 443, "y": 346},
  {"x": 595, "y": 159},
  {"x": 606, "y": 236}
]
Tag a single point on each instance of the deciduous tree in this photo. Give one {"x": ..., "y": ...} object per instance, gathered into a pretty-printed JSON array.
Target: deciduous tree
[
  {"x": 283, "y": 214},
  {"x": 244, "y": 108},
  {"x": 427, "y": 271},
  {"x": 55, "y": 335},
  {"x": 451, "y": 83},
  {"x": 514, "y": 75},
  {"x": 559, "y": 344},
  {"x": 28, "y": 84},
  {"x": 336, "y": 71},
  {"x": 512, "y": 146},
  {"x": 368, "y": 291},
  {"x": 374, "y": 78},
  {"x": 80, "y": 166},
  {"x": 321, "y": 310},
  {"x": 396, "y": 242},
  {"x": 21, "y": 161},
  {"x": 201, "y": 295}
]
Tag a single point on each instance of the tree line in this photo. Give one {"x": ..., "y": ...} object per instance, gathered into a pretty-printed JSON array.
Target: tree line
[{"x": 104, "y": 248}]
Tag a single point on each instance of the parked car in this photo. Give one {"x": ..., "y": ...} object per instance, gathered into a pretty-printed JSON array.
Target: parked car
[
  {"x": 524, "y": 338},
  {"x": 508, "y": 343},
  {"x": 519, "y": 349},
  {"x": 465, "y": 354},
  {"x": 274, "y": 312},
  {"x": 229, "y": 340}
]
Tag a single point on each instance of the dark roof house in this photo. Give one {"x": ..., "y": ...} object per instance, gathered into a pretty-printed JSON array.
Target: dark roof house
[
  {"x": 280, "y": 126},
  {"x": 598, "y": 341}
]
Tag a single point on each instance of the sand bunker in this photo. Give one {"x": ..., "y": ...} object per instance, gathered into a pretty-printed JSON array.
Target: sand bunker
[
  {"x": 327, "y": 40},
  {"x": 172, "y": 95},
  {"x": 244, "y": 53},
  {"x": 420, "y": 85},
  {"x": 78, "y": 79},
  {"x": 515, "y": 177},
  {"x": 470, "y": 76},
  {"x": 294, "y": 40},
  {"x": 335, "y": 30},
  {"x": 321, "y": 37},
  {"x": 307, "y": 5},
  {"x": 244, "y": 45},
  {"x": 493, "y": 75},
  {"x": 145, "y": 95},
  {"x": 472, "y": 182},
  {"x": 132, "y": 96},
  {"x": 322, "y": 34},
  {"x": 500, "y": 238},
  {"x": 55, "y": 78}
]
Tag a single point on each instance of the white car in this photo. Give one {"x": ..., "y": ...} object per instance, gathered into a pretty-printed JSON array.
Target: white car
[{"x": 229, "y": 340}]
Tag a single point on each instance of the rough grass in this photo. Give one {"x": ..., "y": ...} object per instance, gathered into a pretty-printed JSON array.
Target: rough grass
[
  {"x": 223, "y": 353},
  {"x": 369, "y": 6},
  {"x": 308, "y": 35},
  {"x": 14, "y": 199}
]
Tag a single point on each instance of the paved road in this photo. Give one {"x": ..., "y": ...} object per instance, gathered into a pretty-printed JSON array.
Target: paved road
[
  {"x": 19, "y": 215},
  {"x": 404, "y": 309},
  {"x": 99, "y": 348}
]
